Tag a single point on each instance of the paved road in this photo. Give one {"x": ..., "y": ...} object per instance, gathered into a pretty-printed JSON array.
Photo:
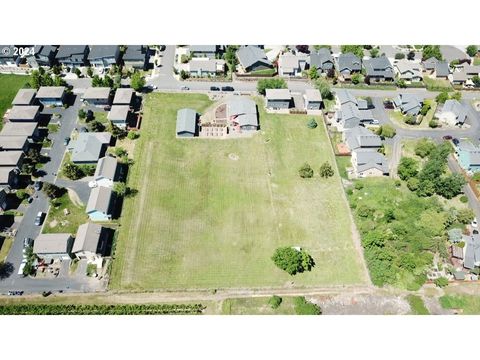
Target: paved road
[{"x": 27, "y": 227}]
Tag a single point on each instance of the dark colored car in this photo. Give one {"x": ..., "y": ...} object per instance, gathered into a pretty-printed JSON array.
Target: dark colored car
[
  {"x": 214, "y": 88},
  {"x": 37, "y": 185},
  {"x": 27, "y": 242},
  {"x": 455, "y": 141},
  {"x": 388, "y": 104},
  {"x": 447, "y": 137},
  {"x": 39, "y": 219},
  {"x": 66, "y": 141},
  {"x": 227, "y": 88}
]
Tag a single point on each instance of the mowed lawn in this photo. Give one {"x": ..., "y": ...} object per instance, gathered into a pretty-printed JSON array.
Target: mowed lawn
[
  {"x": 203, "y": 220},
  {"x": 9, "y": 86}
]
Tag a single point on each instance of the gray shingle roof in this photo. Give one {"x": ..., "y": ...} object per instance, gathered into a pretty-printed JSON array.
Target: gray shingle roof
[
  {"x": 96, "y": 93},
  {"x": 22, "y": 128},
  {"x": 278, "y": 94},
  {"x": 24, "y": 97},
  {"x": 123, "y": 96},
  {"x": 102, "y": 51},
  {"x": 249, "y": 55},
  {"x": 24, "y": 112},
  {"x": 5, "y": 173},
  {"x": 134, "y": 53},
  {"x": 361, "y": 137},
  {"x": 186, "y": 121},
  {"x": 51, "y": 243},
  {"x": 88, "y": 238},
  {"x": 409, "y": 103},
  {"x": 106, "y": 168},
  {"x": 118, "y": 112},
  {"x": 203, "y": 48},
  {"x": 313, "y": 95},
  {"x": 55, "y": 92},
  {"x": 12, "y": 142},
  {"x": 88, "y": 146},
  {"x": 322, "y": 59},
  {"x": 379, "y": 66},
  {"x": 442, "y": 69},
  {"x": 345, "y": 96},
  {"x": 458, "y": 109},
  {"x": 10, "y": 158},
  {"x": 203, "y": 64},
  {"x": 65, "y": 51},
  {"x": 349, "y": 62},
  {"x": 243, "y": 111},
  {"x": 367, "y": 159},
  {"x": 99, "y": 199}
]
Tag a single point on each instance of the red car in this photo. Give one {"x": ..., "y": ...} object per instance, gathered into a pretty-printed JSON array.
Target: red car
[{"x": 447, "y": 137}]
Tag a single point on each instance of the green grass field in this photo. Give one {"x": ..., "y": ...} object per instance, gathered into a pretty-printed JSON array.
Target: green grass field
[
  {"x": 9, "y": 86},
  {"x": 469, "y": 304},
  {"x": 202, "y": 220},
  {"x": 58, "y": 222}
]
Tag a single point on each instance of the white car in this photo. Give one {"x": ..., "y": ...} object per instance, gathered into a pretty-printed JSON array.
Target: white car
[
  {"x": 20, "y": 269},
  {"x": 474, "y": 223},
  {"x": 92, "y": 184}
]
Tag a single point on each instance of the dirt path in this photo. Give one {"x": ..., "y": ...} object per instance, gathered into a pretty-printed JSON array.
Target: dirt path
[{"x": 74, "y": 198}]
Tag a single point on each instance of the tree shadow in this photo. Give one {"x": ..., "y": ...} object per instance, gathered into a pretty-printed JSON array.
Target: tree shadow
[{"x": 6, "y": 269}]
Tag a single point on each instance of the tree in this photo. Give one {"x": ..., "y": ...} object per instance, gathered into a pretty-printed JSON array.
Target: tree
[
  {"x": 312, "y": 124},
  {"x": 97, "y": 81},
  {"x": 82, "y": 114},
  {"x": 374, "y": 52},
  {"x": 324, "y": 88},
  {"x": 476, "y": 80},
  {"x": 184, "y": 75},
  {"x": 433, "y": 123},
  {"x": 413, "y": 183},
  {"x": 442, "y": 97},
  {"x": 133, "y": 135},
  {"x": 303, "y": 48},
  {"x": 441, "y": 282},
  {"x": 313, "y": 73},
  {"x": 356, "y": 78},
  {"x": 96, "y": 126},
  {"x": 107, "y": 81},
  {"x": 457, "y": 95},
  {"x": 450, "y": 186},
  {"x": 89, "y": 71},
  {"x": 355, "y": 49},
  {"x": 472, "y": 50},
  {"x": 407, "y": 168},
  {"x": 292, "y": 260},
  {"x": 305, "y": 171},
  {"x": 425, "y": 188},
  {"x": 34, "y": 155},
  {"x": 424, "y": 147},
  {"x": 137, "y": 81},
  {"x": 304, "y": 307},
  {"x": 274, "y": 83},
  {"x": 331, "y": 74},
  {"x": 387, "y": 131},
  {"x": 72, "y": 171},
  {"x": 326, "y": 170},
  {"x": 400, "y": 56},
  {"x": 430, "y": 51},
  {"x": 78, "y": 72},
  {"x": 120, "y": 189},
  {"x": 51, "y": 190},
  {"x": 230, "y": 56},
  {"x": 411, "y": 55},
  {"x": 401, "y": 83},
  {"x": 465, "y": 216},
  {"x": 425, "y": 108},
  {"x": 275, "y": 301},
  {"x": 117, "y": 131}
]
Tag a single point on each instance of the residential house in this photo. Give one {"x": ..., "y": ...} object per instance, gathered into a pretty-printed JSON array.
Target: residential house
[
  {"x": 468, "y": 155},
  {"x": 105, "y": 172},
  {"x": 251, "y": 58},
  {"x": 53, "y": 246},
  {"x": 11, "y": 159},
  {"x": 453, "y": 113},
  {"x": 51, "y": 95},
  {"x": 90, "y": 242},
  {"x": 104, "y": 56},
  {"x": 72, "y": 55},
  {"x": 89, "y": 147},
  {"x": 471, "y": 255},
  {"x": 136, "y": 57},
  {"x": 409, "y": 70},
  {"x": 242, "y": 114},
  {"x": 9, "y": 175},
  {"x": 24, "y": 113},
  {"x": 322, "y": 60},
  {"x": 208, "y": 51},
  {"x": 367, "y": 163},
  {"x": 409, "y": 104},
  {"x": 44, "y": 55},
  {"x": 360, "y": 137},
  {"x": 379, "y": 69},
  {"x": 205, "y": 67},
  {"x": 277, "y": 99},
  {"x": 464, "y": 73},
  {"x": 348, "y": 64},
  {"x": 313, "y": 99},
  {"x": 99, "y": 204},
  {"x": 14, "y": 143},
  {"x": 29, "y": 129},
  {"x": 24, "y": 97},
  {"x": 119, "y": 115},
  {"x": 292, "y": 65},
  {"x": 186, "y": 123},
  {"x": 8, "y": 58},
  {"x": 436, "y": 68},
  {"x": 97, "y": 96},
  {"x": 123, "y": 96},
  {"x": 352, "y": 111}
]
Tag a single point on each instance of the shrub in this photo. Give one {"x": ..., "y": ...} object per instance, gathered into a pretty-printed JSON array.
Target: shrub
[
  {"x": 412, "y": 184},
  {"x": 326, "y": 170},
  {"x": 358, "y": 185},
  {"x": 312, "y": 124},
  {"x": 72, "y": 171},
  {"x": 275, "y": 301},
  {"x": 463, "y": 199},
  {"x": 305, "y": 171},
  {"x": 274, "y": 83},
  {"x": 424, "y": 147},
  {"x": 133, "y": 135},
  {"x": 356, "y": 78},
  {"x": 399, "y": 56},
  {"x": 82, "y": 114},
  {"x": 441, "y": 282},
  {"x": 433, "y": 124},
  {"x": 21, "y": 194},
  {"x": 387, "y": 131},
  {"x": 304, "y": 307},
  {"x": 293, "y": 261}
]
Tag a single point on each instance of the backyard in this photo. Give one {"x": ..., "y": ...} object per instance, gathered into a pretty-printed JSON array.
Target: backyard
[
  {"x": 59, "y": 221},
  {"x": 10, "y": 86},
  {"x": 204, "y": 219}
]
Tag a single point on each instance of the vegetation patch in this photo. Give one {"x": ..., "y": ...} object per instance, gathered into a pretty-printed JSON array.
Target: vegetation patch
[{"x": 417, "y": 305}]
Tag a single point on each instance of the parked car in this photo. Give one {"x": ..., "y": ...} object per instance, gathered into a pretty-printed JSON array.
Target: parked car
[
  {"x": 387, "y": 104},
  {"x": 227, "y": 88},
  {"x": 447, "y": 137},
  {"x": 66, "y": 141},
  {"x": 39, "y": 218},
  {"x": 30, "y": 199},
  {"x": 455, "y": 141},
  {"x": 107, "y": 108},
  {"x": 27, "y": 242},
  {"x": 474, "y": 222},
  {"x": 214, "y": 88},
  {"x": 90, "y": 115},
  {"x": 37, "y": 185},
  {"x": 184, "y": 88}
]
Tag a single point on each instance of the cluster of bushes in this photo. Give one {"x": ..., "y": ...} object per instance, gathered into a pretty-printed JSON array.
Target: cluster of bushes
[
  {"x": 306, "y": 171},
  {"x": 293, "y": 260},
  {"x": 98, "y": 309},
  {"x": 274, "y": 83},
  {"x": 304, "y": 307},
  {"x": 75, "y": 172}
]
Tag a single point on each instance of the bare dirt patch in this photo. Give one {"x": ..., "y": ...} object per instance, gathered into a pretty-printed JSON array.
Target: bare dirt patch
[{"x": 74, "y": 198}]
